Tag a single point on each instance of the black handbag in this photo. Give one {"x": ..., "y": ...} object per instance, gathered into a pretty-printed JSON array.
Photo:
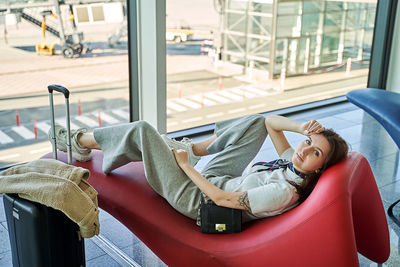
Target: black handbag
[{"x": 219, "y": 220}]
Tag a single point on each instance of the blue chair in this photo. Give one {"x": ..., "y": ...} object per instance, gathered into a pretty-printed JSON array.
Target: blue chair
[{"x": 384, "y": 106}]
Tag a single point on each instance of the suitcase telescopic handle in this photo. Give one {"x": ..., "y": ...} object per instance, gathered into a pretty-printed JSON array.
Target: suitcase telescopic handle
[
  {"x": 58, "y": 88},
  {"x": 65, "y": 91}
]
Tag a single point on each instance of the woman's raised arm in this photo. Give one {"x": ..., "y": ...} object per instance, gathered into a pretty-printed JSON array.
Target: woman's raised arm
[{"x": 277, "y": 124}]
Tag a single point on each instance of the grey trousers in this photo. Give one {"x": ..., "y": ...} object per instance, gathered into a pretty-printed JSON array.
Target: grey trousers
[{"x": 238, "y": 142}]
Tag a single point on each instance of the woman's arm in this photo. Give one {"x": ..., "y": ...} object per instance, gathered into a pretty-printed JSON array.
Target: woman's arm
[
  {"x": 277, "y": 124},
  {"x": 236, "y": 200}
]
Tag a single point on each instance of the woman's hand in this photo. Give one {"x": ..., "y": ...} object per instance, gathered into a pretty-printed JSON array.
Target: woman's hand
[
  {"x": 311, "y": 127},
  {"x": 181, "y": 157}
]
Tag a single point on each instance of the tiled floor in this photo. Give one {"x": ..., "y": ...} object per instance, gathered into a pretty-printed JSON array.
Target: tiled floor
[{"x": 361, "y": 131}]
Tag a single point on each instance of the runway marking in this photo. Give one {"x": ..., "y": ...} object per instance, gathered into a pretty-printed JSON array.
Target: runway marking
[
  {"x": 257, "y": 106},
  {"x": 187, "y": 102},
  {"x": 87, "y": 121},
  {"x": 255, "y": 90},
  {"x": 107, "y": 118},
  {"x": 43, "y": 126},
  {"x": 23, "y": 132},
  {"x": 175, "y": 106},
  {"x": 218, "y": 98},
  {"x": 63, "y": 123},
  {"x": 205, "y": 100},
  {"x": 193, "y": 119},
  {"x": 230, "y": 95},
  {"x": 172, "y": 123},
  {"x": 10, "y": 156},
  {"x": 215, "y": 115},
  {"x": 40, "y": 150},
  {"x": 121, "y": 113},
  {"x": 242, "y": 92},
  {"x": 236, "y": 110},
  {"x": 5, "y": 139}
]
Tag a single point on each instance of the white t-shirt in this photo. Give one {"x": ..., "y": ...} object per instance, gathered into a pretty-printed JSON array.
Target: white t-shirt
[{"x": 269, "y": 192}]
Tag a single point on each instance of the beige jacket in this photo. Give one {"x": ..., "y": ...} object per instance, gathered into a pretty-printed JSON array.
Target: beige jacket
[{"x": 58, "y": 185}]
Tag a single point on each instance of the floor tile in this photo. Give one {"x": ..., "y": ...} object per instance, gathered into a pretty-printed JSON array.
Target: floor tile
[
  {"x": 102, "y": 261},
  {"x": 92, "y": 250},
  {"x": 390, "y": 192},
  {"x": 2, "y": 214},
  {"x": 356, "y": 116},
  {"x": 335, "y": 123},
  {"x": 117, "y": 233},
  {"x": 375, "y": 151},
  {"x": 4, "y": 224},
  {"x": 5, "y": 241},
  {"x": 386, "y": 169},
  {"x": 141, "y": 254},
  {"x": 351, "y": 134},
  {"x": 6, "y": 259}
]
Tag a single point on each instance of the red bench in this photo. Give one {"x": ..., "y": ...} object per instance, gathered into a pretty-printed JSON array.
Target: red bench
[{"x": 343, "y": 215}]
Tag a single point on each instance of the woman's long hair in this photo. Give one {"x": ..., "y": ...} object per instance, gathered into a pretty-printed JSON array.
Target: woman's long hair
[{"x": 338, "y": 151}]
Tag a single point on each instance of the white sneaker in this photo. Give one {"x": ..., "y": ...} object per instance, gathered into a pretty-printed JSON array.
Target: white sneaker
[
  {"x": 184, "y": 144},
  {"x": 78, "y": 152}
]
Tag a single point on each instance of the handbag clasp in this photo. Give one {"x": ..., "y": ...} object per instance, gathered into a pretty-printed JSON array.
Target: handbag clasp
[{"x": 220, "y": 227}]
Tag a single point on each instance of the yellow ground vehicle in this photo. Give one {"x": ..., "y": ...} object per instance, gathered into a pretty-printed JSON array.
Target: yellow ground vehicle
[
  {"x": 43, "y": 48},
  {"x": 179, "y": 35}
]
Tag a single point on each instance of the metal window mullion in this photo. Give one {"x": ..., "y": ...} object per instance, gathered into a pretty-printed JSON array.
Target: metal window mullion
[
  {"x": 134, "y": 98},
  {"x": 225, "y": 23},
  {"x": 341, "y": 35},
  {"x": 382, "y": 43},
  {"x": 273, "y": 39}
]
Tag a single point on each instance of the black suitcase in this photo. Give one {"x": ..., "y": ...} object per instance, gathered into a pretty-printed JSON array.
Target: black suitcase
[{"x": 41, "y": 236}]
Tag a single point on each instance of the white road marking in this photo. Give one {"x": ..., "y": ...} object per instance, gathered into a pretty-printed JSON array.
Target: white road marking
[
  {"x": 242, "y": 92},
  {"x": 257, "y": 106},
  {"x": 175, "y": 106},
  {"x": 5, "y": 139},
  {"x": 193, "y": 119},
  {"x": 121, "y": 113},
  {"x": 204, "y": 99},
  {"x": 217, "y": 98},
  {"x": 63, "y": 123},
  {"x": 43, "y": 126},
  {"x": 236, "y": 110},
  {"x": 187, "y": 102},
  {"x": 215, "y": 115},
  {"x": 23, "y": 132},
  {"x": 172, "y": 123},
  {"x": 87, "y": 121},
  {"x": 256, "y": 91},
  {"x": 10, "y": 156},
  {"x": 40, "y": 150},
  {"x": 230, "y": 95},
  {"x": 107, "y": 118}
]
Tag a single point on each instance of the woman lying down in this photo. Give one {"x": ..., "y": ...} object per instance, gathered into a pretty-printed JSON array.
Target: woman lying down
[{"x": 262, "y": 189}]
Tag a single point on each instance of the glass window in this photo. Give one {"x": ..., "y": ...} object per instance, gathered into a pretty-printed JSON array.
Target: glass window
[
  {"x": 255, "y": 56},
  {"x": 98, "y": 13},
  {"x": 92, "y": 63},
  {"x": 82, "y": 14}
]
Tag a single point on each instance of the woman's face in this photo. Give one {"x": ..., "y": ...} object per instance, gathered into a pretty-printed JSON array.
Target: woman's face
[{"x": 311, "y": 154}]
